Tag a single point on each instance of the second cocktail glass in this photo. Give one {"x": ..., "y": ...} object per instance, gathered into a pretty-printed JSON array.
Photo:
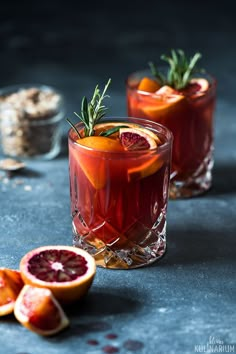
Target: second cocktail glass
[{"x": 188, "y": 112}]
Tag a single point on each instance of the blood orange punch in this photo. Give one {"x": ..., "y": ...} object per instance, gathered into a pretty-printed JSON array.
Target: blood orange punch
[
  {"x": 119, "y": 178},
  {"x": 182, "y": 99}
]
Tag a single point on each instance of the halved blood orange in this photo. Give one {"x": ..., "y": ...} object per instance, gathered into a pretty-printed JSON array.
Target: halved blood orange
[
  {"x": 11, "y": 284},
  {"x": 39, "y": 311},
  {"x": 162, "y": 101},
  {"x": 67, "y": 271},
  {"x": 148, "y": 85}
]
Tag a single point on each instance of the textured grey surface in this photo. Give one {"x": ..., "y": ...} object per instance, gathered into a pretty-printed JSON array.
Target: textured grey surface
[{"x": 188, "y": 298}]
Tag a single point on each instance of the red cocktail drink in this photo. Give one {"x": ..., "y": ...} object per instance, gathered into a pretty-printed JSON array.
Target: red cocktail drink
[
  {"x": 188, "y": 113},
  {"x": 119, "y": 191}
]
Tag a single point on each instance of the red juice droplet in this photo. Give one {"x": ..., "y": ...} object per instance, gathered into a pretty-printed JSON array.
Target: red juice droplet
[
  {"x": 92, "y": 342},
  {"x": 111, "y": 336},
  {"x": 110, "y": 349},
  {"x": 133, "y": 345}
]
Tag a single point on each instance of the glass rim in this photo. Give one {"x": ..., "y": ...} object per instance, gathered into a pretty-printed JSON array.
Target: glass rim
[{"x": 164, "y": 132}]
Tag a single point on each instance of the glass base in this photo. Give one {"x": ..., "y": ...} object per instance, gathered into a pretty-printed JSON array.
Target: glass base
[
  {"x": 199, "y": 183},
  {"x": 122, "y": 253}
]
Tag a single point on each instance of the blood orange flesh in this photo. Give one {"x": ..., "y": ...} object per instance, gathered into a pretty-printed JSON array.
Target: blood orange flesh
[
  {"x": 67, "y": 271},
  {"x": 138, "y": 139},
  {"x": 39, "y": 311},
  {"x": 54, "y": 265},
  {"x": 196, "y": 87}
]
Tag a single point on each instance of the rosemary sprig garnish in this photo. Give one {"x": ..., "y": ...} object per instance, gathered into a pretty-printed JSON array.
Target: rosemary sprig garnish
[
  {"x": 180, "y": 71},
  {"x": 112, "y": 130},
  {"x": 91, "y": 112},
  {"x": 74, "y": 128}
]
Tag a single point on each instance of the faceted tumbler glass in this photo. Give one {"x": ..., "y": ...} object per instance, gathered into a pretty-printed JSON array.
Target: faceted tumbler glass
[
  {"x": 119, "y": 199},
  {"x": 190, "y": 119}
]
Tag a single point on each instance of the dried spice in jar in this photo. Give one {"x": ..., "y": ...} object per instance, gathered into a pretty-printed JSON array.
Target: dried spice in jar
[{"x": 30, "y": 121}]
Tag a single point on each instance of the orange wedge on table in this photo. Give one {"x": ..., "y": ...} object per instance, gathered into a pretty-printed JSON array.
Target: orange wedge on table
[
  {"x": 11, "y": 284},
  {"x": 38, "y": 310}
]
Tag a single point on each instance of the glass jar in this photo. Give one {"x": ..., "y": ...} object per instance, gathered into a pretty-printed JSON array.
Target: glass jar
[{"x": 30, "y": 121}]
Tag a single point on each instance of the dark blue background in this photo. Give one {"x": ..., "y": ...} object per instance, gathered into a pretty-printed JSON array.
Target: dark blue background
[{"x": 187, "y": 297}]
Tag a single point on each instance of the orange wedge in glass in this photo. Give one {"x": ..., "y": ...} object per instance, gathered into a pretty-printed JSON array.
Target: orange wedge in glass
[
  {"x": 148, "y": 85},
  {"x": 161, "y": 102},
  {"x": 91, "y": 159},
  {"x": 147, "y": 168}
]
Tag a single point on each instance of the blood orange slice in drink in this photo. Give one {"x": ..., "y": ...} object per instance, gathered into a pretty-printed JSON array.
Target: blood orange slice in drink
[
  {"x": 39, "y": 311},
  {"x": 196, "y": 87},
  {"x": 67, "y": 271},
  {"x": 11, "y": 284},
  {"x": 139, "y": 138},
  {"x": 161, "y": 102}
]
